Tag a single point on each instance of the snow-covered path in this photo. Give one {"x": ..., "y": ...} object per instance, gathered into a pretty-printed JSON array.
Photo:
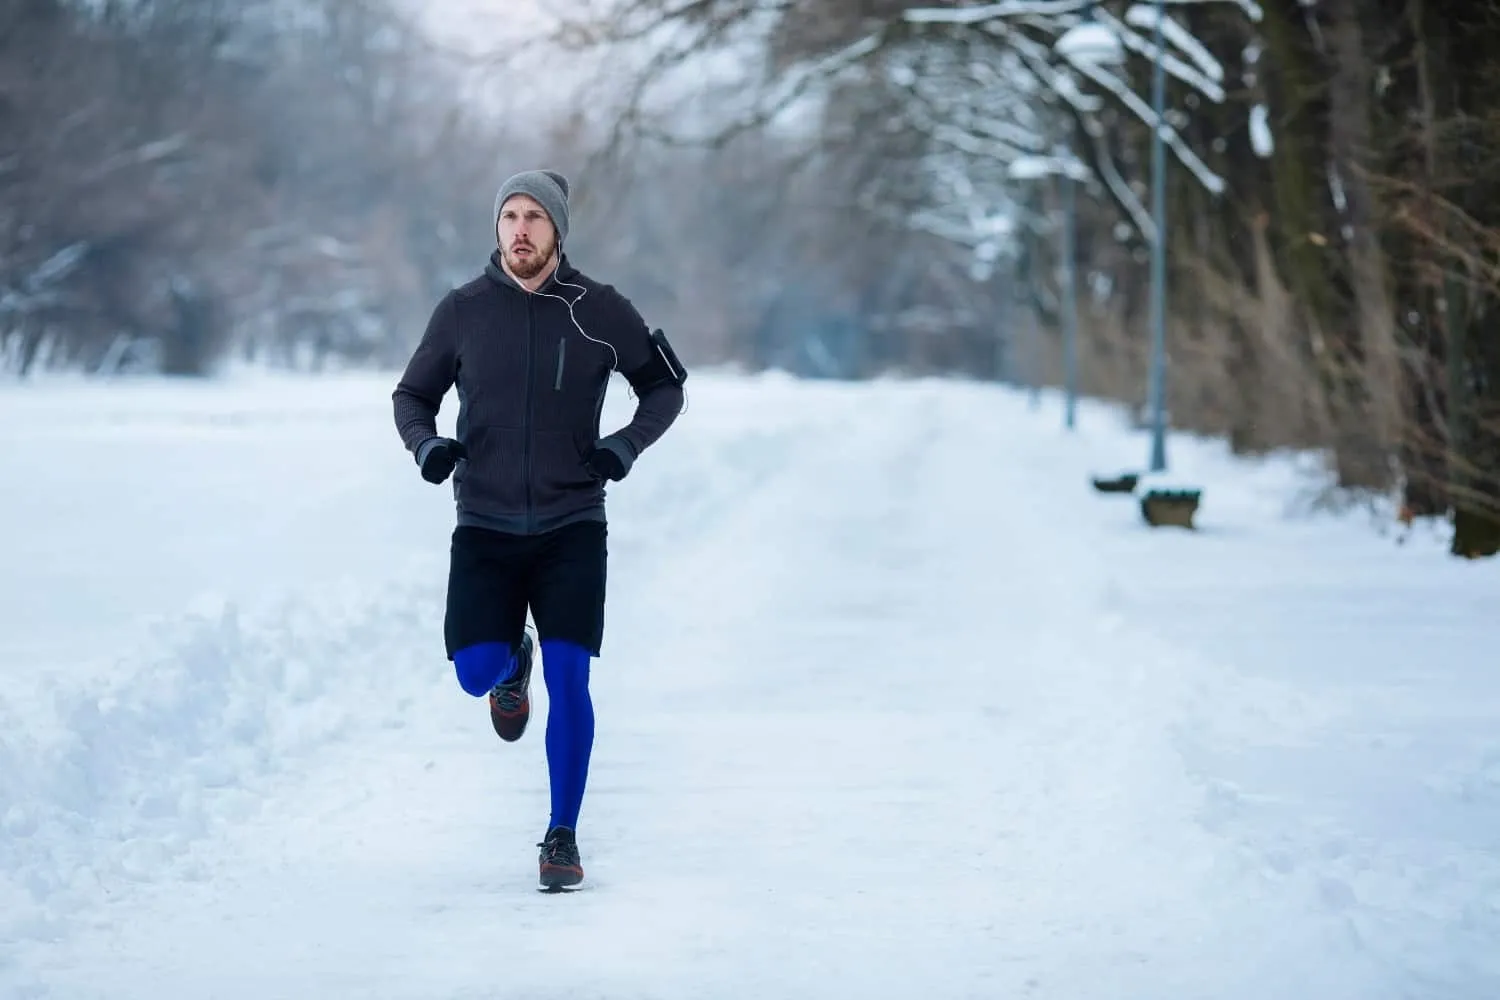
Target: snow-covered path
[{"x": 891, "y": 705}]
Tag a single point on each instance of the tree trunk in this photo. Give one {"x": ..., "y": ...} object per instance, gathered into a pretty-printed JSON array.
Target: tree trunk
[
  {"x": 1298, "y": 180},
  {"x": 1429, "y": 284},
  {"x": 1371, "y": 426}
]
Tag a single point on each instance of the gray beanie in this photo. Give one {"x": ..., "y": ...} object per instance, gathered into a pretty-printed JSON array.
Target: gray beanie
[{"x": 548, "y": 187}]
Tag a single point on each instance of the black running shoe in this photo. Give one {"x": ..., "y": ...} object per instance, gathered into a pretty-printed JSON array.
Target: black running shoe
[
  {"x": 560, "y": 865},
  {"x": 510, "y": 701}
]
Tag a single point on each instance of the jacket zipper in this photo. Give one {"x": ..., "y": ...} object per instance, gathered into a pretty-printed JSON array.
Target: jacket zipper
[
  {"x": 561, "y": 350},
  {"x": 526, "y": 422}
]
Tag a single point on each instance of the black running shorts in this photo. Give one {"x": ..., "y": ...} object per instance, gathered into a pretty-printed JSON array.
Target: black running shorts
[{"x": 495, "y": 578}]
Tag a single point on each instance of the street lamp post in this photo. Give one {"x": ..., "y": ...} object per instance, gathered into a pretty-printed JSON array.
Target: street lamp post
[
  {"x": 1157, "y": 385},
  {"x": 1070, "y": 303},
  {"x": 1068, "y": 171}
]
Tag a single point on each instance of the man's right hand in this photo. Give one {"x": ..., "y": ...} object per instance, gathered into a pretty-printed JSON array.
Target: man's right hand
[{"x": 437, "y": 456}]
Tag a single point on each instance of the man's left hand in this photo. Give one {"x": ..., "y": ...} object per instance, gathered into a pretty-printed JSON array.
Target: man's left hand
[{"x": 603, "y": 464}]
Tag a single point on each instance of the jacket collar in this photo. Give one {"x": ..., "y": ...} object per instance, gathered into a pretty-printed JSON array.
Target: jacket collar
[{"x": 496, "y": 273}]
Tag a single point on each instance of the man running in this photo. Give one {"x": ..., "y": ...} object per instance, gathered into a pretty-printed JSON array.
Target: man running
[{"x": 531, "y": 344}]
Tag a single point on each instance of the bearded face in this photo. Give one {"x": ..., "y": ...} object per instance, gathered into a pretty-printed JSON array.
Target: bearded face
[{"x": 526, "y": 236}]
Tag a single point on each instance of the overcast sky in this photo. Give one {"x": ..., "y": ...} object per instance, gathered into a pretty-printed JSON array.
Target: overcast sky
[
  {"x": 482, "y": 23},
  {"x": 534, "y": 81},
  {"x": 540, "y": 84}
]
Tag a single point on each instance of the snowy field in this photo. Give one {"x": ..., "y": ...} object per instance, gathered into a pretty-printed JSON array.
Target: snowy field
[{"x": 892, "y": 705}]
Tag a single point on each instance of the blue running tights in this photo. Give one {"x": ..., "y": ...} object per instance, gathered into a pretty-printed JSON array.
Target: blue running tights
[{"x": 570, "y": 713}]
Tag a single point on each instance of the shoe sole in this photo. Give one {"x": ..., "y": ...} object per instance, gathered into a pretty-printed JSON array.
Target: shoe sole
[{"x": 559, "y": 879}]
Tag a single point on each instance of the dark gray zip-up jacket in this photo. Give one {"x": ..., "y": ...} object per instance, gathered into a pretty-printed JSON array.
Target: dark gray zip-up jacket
[{"x": 532, "y": 369}]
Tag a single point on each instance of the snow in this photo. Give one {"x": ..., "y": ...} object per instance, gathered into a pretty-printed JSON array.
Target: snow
[
  {"x": 1032, "y": 168},
  {"x": 1211, "y": 181},
  {"x": 892, "y": 704},
  {"x": 1090, "y": 41},
  {"x": 1205, "y": 84},
  {"x": 1145, "y": 16},
  {"x": 1261, "y": 139},
  {"x": 979, "y": 14}
]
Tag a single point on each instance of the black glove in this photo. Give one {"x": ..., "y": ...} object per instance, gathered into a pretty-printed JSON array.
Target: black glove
[
  {"x": 603, "y": 463},
  {"x": 438, "y": 457}
]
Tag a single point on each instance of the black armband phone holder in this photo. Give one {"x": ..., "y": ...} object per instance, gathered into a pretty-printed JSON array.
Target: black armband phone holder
[{"x": 663, "y": 367}]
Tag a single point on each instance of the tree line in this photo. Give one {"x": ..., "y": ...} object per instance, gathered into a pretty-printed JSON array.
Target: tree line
[
  {"x": 295, "y": 184},
  {"x": 182, "y": 181},
  {"x": 189, "y": 182},
  {"x": 1332, "y": 239}
]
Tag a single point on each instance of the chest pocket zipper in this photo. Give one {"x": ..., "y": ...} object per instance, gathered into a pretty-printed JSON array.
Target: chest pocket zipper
[{"x": 562, "y": 347}]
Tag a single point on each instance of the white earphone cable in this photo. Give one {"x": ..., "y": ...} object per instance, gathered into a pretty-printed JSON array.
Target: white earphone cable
[
  {"x": 577, "y": 325},
  {"x": 582, "y": 291}
]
